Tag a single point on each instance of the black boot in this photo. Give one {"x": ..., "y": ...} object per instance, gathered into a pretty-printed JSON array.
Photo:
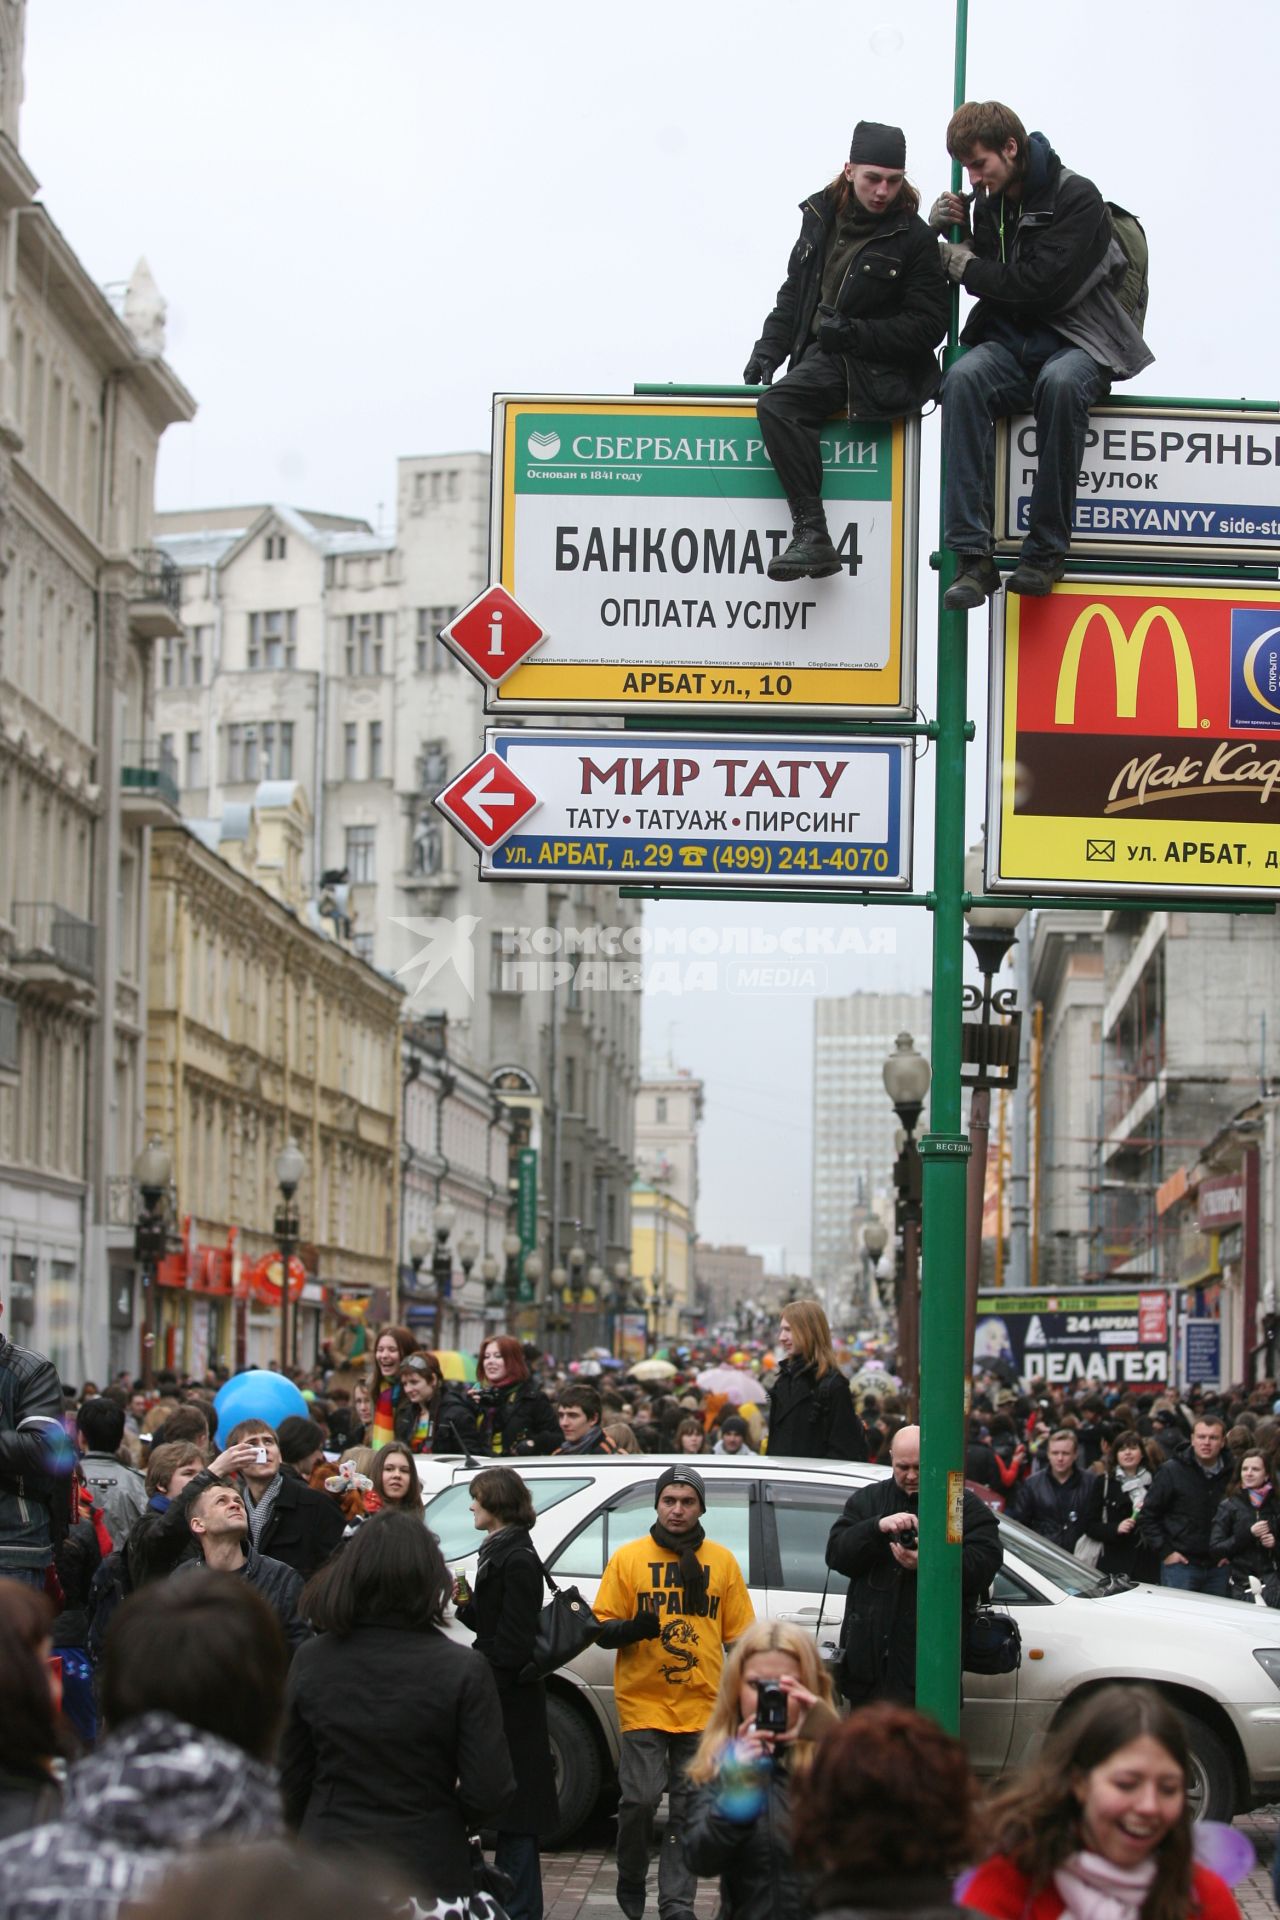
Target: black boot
[{"x": 811, "y": 555}]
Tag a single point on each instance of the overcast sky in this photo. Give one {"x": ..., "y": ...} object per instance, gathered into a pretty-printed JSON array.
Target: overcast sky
[{"x": 367, "y": 220}]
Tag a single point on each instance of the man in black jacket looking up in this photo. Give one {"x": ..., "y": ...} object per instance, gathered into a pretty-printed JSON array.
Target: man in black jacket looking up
[
  {"x": 859, "y": 318},
  {"x": 876, "y": 1543},
  {"x": 1053, "y": 1502},
  {"x": 1178, "y": 1512},
  {"x": 1047, "y": 337}
]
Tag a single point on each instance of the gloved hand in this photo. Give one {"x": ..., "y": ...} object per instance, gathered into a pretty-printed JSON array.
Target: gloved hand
[
  {"x": 758, "y": 372},
  {"x": 956, "y": 255},
  {"x": 650, "y": 1625},
  {"x": 949, "y": 210},
  {"x": 836, "y": 334}
]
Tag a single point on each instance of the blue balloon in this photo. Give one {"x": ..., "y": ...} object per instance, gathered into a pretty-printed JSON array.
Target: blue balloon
[{"x": 256, "y": 1395}]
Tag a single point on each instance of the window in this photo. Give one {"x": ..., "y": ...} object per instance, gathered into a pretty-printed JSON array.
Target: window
[
  {"x": 375, "y": 749},
  {"x": 350, "y": 747},
  {"x": 362, "y": 944},
  {"x": 502, "y": 951},
  {"x": 430, "y": 656},
  {"x": 277, "y": 750},
  {"x": 571, "y": 1086},
  {"x": 166, "y": 664},
  {"x": 276, "y": 546},
  {"x": 449, "y": 1514},
  {"x": 360, "y": 850},
  {"x": 167, "y": 756},
  {"x": 660, "y": 1110},
  {"x": 727, "y": 1521},
  {"x": 195, "y": 760},
  {"x": 364, "y": 643},
  {"x": 200, "y": 637},
  {"x": 272, "y": 641},
  {"x": 240, "y": 757},
  {"x": 803, "y": 1518}
]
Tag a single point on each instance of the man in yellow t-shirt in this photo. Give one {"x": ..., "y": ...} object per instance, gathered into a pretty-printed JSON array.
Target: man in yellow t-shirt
[{"x": 672, "y": 1602}]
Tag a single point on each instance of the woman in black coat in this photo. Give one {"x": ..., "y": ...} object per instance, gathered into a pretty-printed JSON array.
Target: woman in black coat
[
  {"x": 859, "y": 317},
  {"x": 1246, "y": 1527},
  {"x": 512, "y": 1414},
  {"x": 1118, "y": 1486},
  {"x": 811, "y": 1411},
  {"x": 393, "y": 1742},
  {"x": 503, "y": 1614}
]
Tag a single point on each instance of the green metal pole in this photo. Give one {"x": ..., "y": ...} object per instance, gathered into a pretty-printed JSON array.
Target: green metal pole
[{"x": 944, "y": 1152}]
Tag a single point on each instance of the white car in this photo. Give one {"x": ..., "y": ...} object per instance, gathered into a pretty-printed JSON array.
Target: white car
[{"x": 1217, "y": 1660}]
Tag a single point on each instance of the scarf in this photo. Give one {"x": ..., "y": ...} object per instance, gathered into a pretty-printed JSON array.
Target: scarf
[
  {"x": 1135, "y": 1485},
  {"x": 695, "y": 1579},
  {"x": 587, "y": 1444},
  {"x": 1094, "y": 1889},
  {"x": 1258, "y": 1496},
  {"x": 260, "y": 1512},
  {"x": 384, "y": 1415}
]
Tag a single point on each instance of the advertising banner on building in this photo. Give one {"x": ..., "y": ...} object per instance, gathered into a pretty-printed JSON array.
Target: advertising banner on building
[
  {"x": 739, "y": 810},
  {"x": 1135, "y": 741},
  {"x": 1078, "y": 1341},
  {"x": 1188, "y": 481},
  {"x": 636, "y": 534}
]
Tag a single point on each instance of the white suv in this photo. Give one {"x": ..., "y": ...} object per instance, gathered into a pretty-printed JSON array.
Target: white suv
[{"x": 1217, "y": 1660}]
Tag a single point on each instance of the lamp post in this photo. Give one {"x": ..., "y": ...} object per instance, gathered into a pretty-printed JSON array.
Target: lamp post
[
  {"x": 532, "y": 1270},
  {"x": 621, "y": 1304},
  {"x": 152, "y": 1172},
  {"x": 492, "y": 1290},
  {"x": 442, "y": 1265},
  {"x": 577, "y": 1281},
  {"x": 468, "y": 1254},
  {"x": 511, "y": 1245},
  {"x": 875, "y": 1238},
  {"x": 290, "y": 1168},
  {"x": 595, "y": 1287},
  {"x": 906, "y": 1081},
  {"x": 989, "y": 1058}
]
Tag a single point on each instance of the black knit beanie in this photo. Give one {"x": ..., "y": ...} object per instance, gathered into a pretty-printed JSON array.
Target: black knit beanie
[{"x": 875, "y": 145}]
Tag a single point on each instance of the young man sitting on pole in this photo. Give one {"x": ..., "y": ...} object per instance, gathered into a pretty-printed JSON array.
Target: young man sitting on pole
[{"x": 1047, "y": 337}]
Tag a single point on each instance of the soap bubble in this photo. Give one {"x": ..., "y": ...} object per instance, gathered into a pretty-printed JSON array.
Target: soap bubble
[{"x": 886, "y": 41}]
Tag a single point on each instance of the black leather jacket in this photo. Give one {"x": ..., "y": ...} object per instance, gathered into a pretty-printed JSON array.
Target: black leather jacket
[{"x": 758, "y": 1877}]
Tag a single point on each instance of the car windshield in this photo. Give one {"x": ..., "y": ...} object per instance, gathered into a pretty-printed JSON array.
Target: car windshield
[
  {"x": 449, "y": 1514},
  {"x": 1060, "y": 1569}
]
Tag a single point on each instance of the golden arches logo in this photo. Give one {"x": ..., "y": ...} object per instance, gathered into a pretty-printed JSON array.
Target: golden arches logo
[{"x": 1126, "y": 653}]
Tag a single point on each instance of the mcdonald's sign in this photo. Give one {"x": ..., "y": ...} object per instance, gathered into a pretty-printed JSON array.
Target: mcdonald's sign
[{"x": 1134, "y": 747}]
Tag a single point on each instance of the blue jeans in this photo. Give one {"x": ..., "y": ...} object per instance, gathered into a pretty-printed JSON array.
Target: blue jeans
[
  {"x": 982, "y": 387},
  {"x": 1196, "y": 1579},
  {"x": 517, "y": 1854}
]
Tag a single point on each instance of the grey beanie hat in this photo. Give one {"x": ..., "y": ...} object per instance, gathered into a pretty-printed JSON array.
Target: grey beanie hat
[{"x": 682, "y": 1477}]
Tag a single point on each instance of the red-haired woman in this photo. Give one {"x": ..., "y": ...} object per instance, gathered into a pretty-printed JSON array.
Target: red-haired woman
[{"x": 513, "y": 1415}]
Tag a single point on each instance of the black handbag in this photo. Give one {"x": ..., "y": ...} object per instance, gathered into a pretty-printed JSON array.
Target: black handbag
[
  {"x": 566, "y": 1627},
  {"x": 992, "y": 1642}
]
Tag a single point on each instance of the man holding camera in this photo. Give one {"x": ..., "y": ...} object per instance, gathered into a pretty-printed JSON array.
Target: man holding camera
[
  {"x": 876, "y": 1543},
  {"x": 672, "y": 1600}
]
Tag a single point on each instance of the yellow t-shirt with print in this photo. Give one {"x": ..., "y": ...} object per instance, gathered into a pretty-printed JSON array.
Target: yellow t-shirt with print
[{"x": 670, "y": 1683}]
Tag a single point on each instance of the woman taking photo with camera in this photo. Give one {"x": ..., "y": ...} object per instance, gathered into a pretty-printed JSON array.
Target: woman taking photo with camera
[
  {"x": 1100, "y": 1827},
  {"x": 774, "y": 1702},
  {"x": 503, "y": 1614}
]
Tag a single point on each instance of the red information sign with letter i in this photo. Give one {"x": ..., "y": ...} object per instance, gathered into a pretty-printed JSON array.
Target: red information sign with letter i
[
  {"x": 487, "y": 802},
  {"x": 492, "y": 635}
]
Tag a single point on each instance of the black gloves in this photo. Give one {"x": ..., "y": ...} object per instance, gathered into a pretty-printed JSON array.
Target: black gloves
[
  {"x": 758, "y": 372},
  {"x": 625, "y": 1633},
  {"x": 837, "y": 335}
]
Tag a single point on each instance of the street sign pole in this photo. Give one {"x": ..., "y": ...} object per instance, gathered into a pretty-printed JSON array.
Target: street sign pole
[{"x": 944, "y": 1151}]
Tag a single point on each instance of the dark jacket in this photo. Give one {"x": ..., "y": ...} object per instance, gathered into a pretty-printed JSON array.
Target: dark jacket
[
  {"x": 279, "y": 1586},
  {"x": 1054, "y": 1510},
  {"x": 895, "y": 291},
  {"x": 26, "y": 1800},
  {"x": 812, "y": 1419},
  {"x": 35, "y": 1454},
  {"x": 1106, "y": 1505},
  {"x": 453, "y": 1421},
  {"x": 393, "y": 1744},
  {"x": 1053, "y": 271},
  {"x": 516, "y": 1419},
  {"x": 303, "y": 1528},
  {"x": 151, "y": 1793},
  {"x": 1179, "y": 1511},
  {"x": 1232, "y": 1539},
  {"x": 758, "y": 1877},
  {"x": 879, "y": 1630},
  {"x": 503, "y": 1614}
]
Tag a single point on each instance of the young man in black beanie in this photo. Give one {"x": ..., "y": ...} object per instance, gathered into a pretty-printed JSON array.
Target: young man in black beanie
[
  {"x": 859, "y": 318},
  {"x": 675, "y": 1601}
]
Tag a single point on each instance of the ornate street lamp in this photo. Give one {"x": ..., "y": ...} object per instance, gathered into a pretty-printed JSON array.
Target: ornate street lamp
[
  {"x": 152, "y": 1172},
  {"x": 906, "y": 1081},
  {"x": 442, "y": 1265},
  {"x": 291, "y": 1166}
]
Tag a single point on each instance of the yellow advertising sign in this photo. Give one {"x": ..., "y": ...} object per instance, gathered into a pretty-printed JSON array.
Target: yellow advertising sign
[{"x": 1135, "y": 741}]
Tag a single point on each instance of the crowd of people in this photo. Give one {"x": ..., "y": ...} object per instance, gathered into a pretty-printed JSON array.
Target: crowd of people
[{"x": 244, "y": 1636}]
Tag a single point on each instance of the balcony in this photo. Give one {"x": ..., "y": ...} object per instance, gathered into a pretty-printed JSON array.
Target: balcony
[
  {"x": 148, "y": 786},
  {"x": 53, "y": 948},
  {"x": 155, "y": 598}
]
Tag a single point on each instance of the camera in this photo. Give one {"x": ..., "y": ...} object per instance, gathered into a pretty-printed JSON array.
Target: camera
[
  {"x": 771, "y": 1707},
  {"x": 908, "y": 1538},
  {"x": 261, "y": 1456}
]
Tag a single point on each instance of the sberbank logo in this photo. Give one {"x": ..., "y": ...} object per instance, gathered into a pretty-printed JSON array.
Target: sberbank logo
[{"x": 544, "y": 446}]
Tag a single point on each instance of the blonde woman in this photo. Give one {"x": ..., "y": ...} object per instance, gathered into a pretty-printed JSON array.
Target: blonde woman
[
  {"x": 774, "y": 1703},
  {"x": 811, "y": 1411}
]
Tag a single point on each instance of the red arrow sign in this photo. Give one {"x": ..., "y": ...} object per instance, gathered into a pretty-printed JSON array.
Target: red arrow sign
[
  {"x": 492, "y": 635},
  {"x": 487, "y": 802}
]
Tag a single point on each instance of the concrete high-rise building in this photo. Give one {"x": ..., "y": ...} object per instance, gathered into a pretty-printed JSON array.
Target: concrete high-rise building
[
  {"x": 309, "y": 652},
  {"x": 1068, "y": 986},
  {"x": 85, "y": 396},
  {"x": 853, "y": 1121},
  {"x": 668, "y": 1113}
]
